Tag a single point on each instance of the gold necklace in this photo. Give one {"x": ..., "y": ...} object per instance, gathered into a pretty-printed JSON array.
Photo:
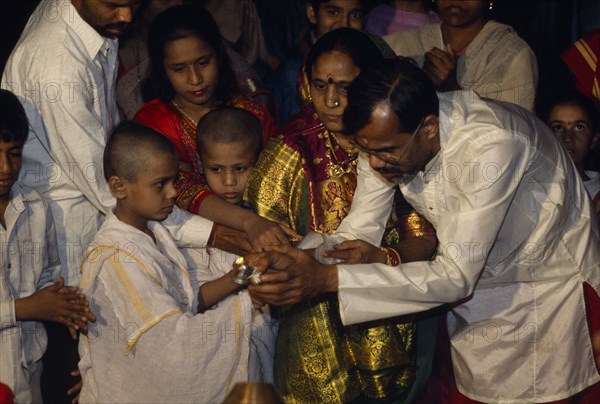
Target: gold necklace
[
  {"x": 182, "y": 111},
  {"x": 336, "y": 168}
]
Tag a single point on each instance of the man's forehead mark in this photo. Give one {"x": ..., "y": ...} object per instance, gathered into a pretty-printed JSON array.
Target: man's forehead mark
[{"x": 329, "y": 79}]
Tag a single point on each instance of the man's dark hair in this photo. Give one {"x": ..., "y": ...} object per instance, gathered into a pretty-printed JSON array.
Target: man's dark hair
[
  {"x": 400, "y": 82},
  {"x": 354, "y": 43},
  {"x": 367, "y": 5},
  {"x": 14, "y": 125},
  {"x": 130, "y": 146},
  {"x": 229, "y": 125}
]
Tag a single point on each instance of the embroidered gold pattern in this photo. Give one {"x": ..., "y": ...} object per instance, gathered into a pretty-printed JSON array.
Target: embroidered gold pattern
[{"x": 318, "y": 359}]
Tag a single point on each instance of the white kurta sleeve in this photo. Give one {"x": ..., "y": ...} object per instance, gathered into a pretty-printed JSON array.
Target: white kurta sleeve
[
  {"x": 476, "y": 206},
  {"x": 371, "y": 206},
  {"x": 50, "y": 258},
  {"x": 187, "y": 229},
  {"x": 7, "y": 308}
]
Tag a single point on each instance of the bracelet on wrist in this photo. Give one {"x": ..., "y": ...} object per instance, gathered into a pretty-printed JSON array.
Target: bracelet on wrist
[{"x": 392, "y": 256}]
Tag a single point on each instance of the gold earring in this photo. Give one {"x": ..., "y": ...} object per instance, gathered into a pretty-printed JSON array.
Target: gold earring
[{"x": 491, "y": 5}]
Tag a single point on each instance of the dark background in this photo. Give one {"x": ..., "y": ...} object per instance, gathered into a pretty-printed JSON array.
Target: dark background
[{"x": 549, "y": 26}]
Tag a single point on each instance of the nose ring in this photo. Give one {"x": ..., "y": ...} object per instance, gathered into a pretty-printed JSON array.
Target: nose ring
[{"x": 336, "y": 103}]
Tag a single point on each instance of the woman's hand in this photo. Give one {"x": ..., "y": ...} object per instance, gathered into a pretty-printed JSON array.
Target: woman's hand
[
  {"x": 440, "y": 67},
  {"x": 263, "y": 234}
]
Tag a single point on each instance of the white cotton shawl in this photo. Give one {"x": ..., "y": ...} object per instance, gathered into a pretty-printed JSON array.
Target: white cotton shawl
[{"x": 148, "y": 345}]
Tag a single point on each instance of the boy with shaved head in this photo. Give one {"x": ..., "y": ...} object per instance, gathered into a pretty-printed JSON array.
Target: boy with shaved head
[
  {"x": 137, "y": 282},
  {"x": 229, "y": 141}
]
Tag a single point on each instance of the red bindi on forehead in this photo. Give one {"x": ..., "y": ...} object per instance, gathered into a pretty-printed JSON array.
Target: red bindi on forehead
[{"x": 329, "y": 79}]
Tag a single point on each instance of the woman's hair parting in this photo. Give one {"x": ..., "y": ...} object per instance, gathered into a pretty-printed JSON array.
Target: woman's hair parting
[{"x": 356, "y": 44}]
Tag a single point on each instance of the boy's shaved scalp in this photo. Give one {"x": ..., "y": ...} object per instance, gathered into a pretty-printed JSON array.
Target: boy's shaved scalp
[
  {"x": 129, "y": 147},
  {"x": 229, "y": 125}
]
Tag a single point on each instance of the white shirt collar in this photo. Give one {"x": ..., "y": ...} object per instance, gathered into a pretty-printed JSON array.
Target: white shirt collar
[{"x": 91, "y": 39}]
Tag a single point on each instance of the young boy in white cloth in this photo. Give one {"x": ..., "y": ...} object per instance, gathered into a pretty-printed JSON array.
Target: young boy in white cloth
[
  {"x": 229, "y": 141},
  {"x": 31, "y": 290},
  {"x": 149, "y": 344}
]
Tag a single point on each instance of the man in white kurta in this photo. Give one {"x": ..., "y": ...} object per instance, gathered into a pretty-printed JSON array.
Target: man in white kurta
[
  {"x": 64, "y": 73},
  {"x": 148, "y": 344},
  {"x": 516, "y": 242},
  {"x": 497, "y": 64}
]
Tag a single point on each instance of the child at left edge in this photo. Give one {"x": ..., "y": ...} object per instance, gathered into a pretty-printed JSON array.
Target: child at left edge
[
  {"x": 229, "y": 141},
  {"x": 30, "y": 287}
]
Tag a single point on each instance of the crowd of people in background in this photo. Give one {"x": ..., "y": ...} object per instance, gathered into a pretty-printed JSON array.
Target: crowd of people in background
[{"x": 412, "y": 230}]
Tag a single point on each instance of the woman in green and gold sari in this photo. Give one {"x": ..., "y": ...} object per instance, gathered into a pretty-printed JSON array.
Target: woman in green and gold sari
[{"x": 305, "y": 179}]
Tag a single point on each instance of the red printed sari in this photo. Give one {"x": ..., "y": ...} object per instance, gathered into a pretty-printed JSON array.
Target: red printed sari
[{"x": 181, "y": 131}]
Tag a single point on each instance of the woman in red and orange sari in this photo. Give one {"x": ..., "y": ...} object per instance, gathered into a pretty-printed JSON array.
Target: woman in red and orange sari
[
  {"x": 306, "y": 178},
  {"x": 190, "y": 75}
]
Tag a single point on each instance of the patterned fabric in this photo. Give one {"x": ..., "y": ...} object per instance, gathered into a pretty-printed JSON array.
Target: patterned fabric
[
  {"x": 181, "y": 131},
  {"x": 497, "y": 64},
  {"x": 28, "y": 262},
  {"x": 582, "y": 59},
  {"x": 306, "y": 180}
]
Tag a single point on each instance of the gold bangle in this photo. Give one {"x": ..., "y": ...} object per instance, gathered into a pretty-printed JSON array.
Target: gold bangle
[{"x": 392, "y": 258}]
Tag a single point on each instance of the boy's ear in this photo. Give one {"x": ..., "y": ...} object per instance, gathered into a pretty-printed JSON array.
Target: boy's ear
[
  {"x": 311, "y": 14},
  {"x": 117, "y": 186}
]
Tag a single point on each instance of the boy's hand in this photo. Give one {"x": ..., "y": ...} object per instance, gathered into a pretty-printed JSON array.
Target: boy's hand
[
  {"x": 77, "y": 387},
  {"x": 357, "y": 252},
  {"x": 56, "y": 303}
]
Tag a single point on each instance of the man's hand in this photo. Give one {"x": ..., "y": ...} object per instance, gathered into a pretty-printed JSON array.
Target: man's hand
[
  {"x": 290, "y": 275},
  {"x": 59, "y": 303},
  {"x": 357, "y": 252},
  {"x": 440, "y": 67}
]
